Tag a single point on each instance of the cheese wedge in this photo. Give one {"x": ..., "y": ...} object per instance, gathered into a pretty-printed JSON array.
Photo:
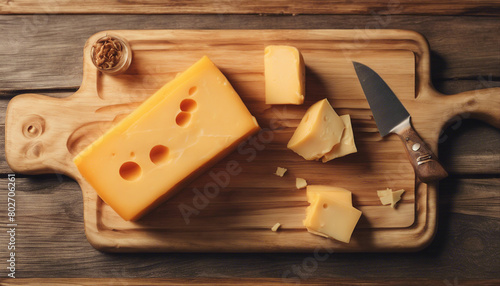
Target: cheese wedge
[
  {"x": 346, "y": 145},
  {"x": 284, "y": 71},
  {"x": 177, "y": 133},
  {"x": 319, "y": 130}
]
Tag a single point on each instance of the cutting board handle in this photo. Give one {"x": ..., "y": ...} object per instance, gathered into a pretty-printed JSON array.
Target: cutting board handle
[
  {"x": 482, "y": 104},
  {"x": 34, "y": 125}
]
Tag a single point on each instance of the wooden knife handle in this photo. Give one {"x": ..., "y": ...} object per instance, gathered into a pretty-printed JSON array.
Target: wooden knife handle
[{"x": 424, "y": 161}]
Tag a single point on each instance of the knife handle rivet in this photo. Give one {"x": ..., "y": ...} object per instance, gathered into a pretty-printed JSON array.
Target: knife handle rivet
[
  {"x": 407, "y": 138},
  {"x": 415, "y": 146}
]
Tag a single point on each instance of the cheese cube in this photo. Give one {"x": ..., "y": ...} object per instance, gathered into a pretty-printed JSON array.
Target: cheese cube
[
  {"x": 319, "y": 130},
  {"x": 332, "y": 218},
  {"x": 346, "y": 145},
  {"x": 284, "y": 75},
  {"x": 339, "y": 194},
  {"x": 330, "y": 213},
  {"x": 177, "y": 133}
]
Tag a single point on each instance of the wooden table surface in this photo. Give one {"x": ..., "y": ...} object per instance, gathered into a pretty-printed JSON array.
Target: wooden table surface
[{"x": 41, "y": 52}]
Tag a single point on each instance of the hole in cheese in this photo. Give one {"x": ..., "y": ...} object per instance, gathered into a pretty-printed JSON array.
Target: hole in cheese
[
  {"x": 188, "y": 105},
  {"x": 158, "y": 154},
  {"x": 130, "y": 171},
  {"x": 325, "y": 206},
  {"x": 182, "y": 119},
  {"x": 132, "y": 154},
  {"x": 192, "y": 90}
]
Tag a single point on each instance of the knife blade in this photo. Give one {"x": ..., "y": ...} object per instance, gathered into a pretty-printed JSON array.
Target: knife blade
[{"x": 392, "y": 117}]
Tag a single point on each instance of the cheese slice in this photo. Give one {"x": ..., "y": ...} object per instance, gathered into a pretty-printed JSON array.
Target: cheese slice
[
  {"x": 346, "y": 145},
  {"x": 386, "y": 200},
  {"x": 177, "y": 133},
  {"x": 396, "y": 197},
  {"x": 382, "y": 193},
  {"x": 388, "y": 197},
  {"x": 332, "y": 218},
  {"x": 284, "y": 75},
  {"x": 319, "y": 130}
]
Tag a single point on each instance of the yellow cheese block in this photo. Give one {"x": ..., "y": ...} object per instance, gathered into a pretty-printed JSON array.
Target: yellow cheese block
[
  {"x": 176, "y": 134},
  {"x": 319, "y": 130},
  {"x": 332, "y": 218},
  {"x": 346, "y": 145},
  {"x": 340, "y": 195},
  {"x": 330, "y": 213},
  {"x": 284, "y": 75}
]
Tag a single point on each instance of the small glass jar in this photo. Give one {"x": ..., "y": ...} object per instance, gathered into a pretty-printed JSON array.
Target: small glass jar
[{"x": 118, "y": 57}]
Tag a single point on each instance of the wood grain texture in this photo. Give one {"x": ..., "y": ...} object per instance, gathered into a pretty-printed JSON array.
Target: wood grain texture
[
  {"x": 408, "y": 7},
  {"x": 461, "y": 152},
  {"x": 151, "y": 48},
  {"x": 236, "y": 281},
  {"x": 60, "y": 249},
  {"x": 52, "y": 243},
  {"x": 237, "y": 212},
  {"x": 54, "y": 42}
]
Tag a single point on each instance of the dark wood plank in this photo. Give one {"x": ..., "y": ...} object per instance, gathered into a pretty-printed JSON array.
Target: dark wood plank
[
  {"x": 240, "y": 281},
  {"x": 463, "y": 7},
  {"x": 475, "y": 197},
  {"x": 45, "y": 52},
  {"x": 470, "y": 147},
  {"x": 51, "y": 243}
]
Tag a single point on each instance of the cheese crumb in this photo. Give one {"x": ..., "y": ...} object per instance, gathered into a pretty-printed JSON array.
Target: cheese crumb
[
  {"x": 387, "y": 196},
  {"x": 300, "y": 183},
  {"x": 275, "y": 227},
  {"x": 280, "y": 171}
]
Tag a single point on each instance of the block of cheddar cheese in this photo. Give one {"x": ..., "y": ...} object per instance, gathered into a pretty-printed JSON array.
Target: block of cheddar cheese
[
  {"x": 319, "y": 130},
  {"x": 177, "y": 133},
  {"x": 284, "y": 72},
  {"x": 331, "y": 213}
]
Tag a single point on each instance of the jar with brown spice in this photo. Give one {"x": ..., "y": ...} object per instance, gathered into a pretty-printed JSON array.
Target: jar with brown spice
[{"x": 111, "y": 54}]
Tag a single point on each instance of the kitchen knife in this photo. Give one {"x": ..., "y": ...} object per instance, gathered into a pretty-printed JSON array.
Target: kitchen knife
[{"x": 391, "y": 117}]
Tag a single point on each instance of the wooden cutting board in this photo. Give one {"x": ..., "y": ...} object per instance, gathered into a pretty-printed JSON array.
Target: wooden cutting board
[{"x": 43, "y": 134}]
